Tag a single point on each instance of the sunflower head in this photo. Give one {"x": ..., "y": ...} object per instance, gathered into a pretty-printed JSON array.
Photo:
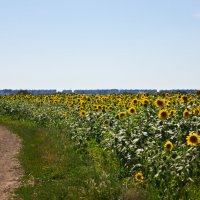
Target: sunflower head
[
  {"x": 186, "y": 113},
  {"x": 110, "y": 107},
  {"x": 104, "y": 107},
  {"x": 132, "y": 110},
  {"x": 145, "y": 102},
  {"x": 163, "y": 114},
  {"x": 190, "y": 102},
  {"x": 159, "y": 103},
  {"x": 165, "y": 95},
  {"x": 95, "y": 107},
  {"x": 135, "y": 101},
  {"x": 122, "y": 115},
  {"x": 99, "y": 107},
  {"x": 168, "y": 146},
  {"x": 82, "y": 113},
  {"x": 193, "y": 139},
  {"x": 173, "y": 112},
  {"x": 139, "y": 176},
  {"x": 184, "y": 98},
  {"x": 195, "y": 111}
]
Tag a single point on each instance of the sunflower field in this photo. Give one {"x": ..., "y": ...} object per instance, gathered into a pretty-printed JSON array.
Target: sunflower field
[{"x": 154, "y": 137}]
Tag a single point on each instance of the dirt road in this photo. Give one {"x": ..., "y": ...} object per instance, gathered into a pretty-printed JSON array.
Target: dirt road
[{"x": 10, "y": 170}]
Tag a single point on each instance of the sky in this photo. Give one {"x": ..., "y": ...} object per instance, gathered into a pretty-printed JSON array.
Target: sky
[{"x": 99, "y": 44}]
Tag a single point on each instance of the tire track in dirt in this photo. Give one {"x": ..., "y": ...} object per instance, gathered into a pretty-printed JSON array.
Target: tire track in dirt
[{"x": 10, "y": 169}]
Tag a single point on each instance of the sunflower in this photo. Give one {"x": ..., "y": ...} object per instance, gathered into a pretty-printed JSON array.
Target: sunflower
[
  {"x": 104, "y": 107},
  {"x": 95, "y": 107},
  {"x": 99, "y": 107},
  {"x": 186, "y": 113},
  {"x": 159, "y": 103},
  {"x": 165, "y": 95},
  {"x": 132, "y": 110},
  {"x": 168, "y": 145},
  {"x": 167, "y": 102},
  {"x": 173, "y": 112},
  {"x": 145, "y": 102},
  {"x": 82, "y": 113},
  {"x": 193, "y": 139},
  {"x": 110, "y": 107},
  {"x": 135, "y": 101},
  {"x": 163, "y": 114},
  {"x": 184, "y": 98},
  {"x": 122, "y": 115},
  {"x": 181, "y": 101},
  {"x": 190, "y": 102},
  {"x": 198, "y": 92},
  {"x": 195, "y": 111},
  {"x": 139, "y": 176}
]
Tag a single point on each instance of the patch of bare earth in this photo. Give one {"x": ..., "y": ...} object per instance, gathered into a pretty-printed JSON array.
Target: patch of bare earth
[{"x": 10, "y": 169}]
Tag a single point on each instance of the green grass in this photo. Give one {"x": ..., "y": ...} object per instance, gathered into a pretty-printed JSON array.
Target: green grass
[{"x": 53, "y": 169}]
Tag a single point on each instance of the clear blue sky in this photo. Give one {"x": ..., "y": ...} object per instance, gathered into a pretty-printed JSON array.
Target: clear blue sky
[{"x": 100, "y": 44}]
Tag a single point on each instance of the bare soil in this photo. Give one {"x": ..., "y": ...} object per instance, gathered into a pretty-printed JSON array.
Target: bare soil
[{"x": 10, "y": 169}]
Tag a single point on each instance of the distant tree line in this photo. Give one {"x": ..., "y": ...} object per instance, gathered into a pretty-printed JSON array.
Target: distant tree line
[
  {"x": 98, "y": 91},
  {"x": 34, "y": 92}
]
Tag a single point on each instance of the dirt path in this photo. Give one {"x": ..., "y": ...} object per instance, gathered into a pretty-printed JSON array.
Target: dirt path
[{"x": 10, "y": 170}]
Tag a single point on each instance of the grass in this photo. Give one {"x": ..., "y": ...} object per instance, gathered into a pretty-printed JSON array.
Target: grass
[{"x": 53, "y": 169}]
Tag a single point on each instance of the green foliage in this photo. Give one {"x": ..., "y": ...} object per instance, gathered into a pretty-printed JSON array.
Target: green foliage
[
  {"x": 136, "y": 142},
  {"x": 55, "y": 170}
]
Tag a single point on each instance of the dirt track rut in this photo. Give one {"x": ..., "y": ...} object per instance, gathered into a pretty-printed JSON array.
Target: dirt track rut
[{"x": 10, "y": 169}]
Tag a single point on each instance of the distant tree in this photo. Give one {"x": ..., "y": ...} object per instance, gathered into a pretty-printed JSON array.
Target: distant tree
[{"x": 23, "y": 92}]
